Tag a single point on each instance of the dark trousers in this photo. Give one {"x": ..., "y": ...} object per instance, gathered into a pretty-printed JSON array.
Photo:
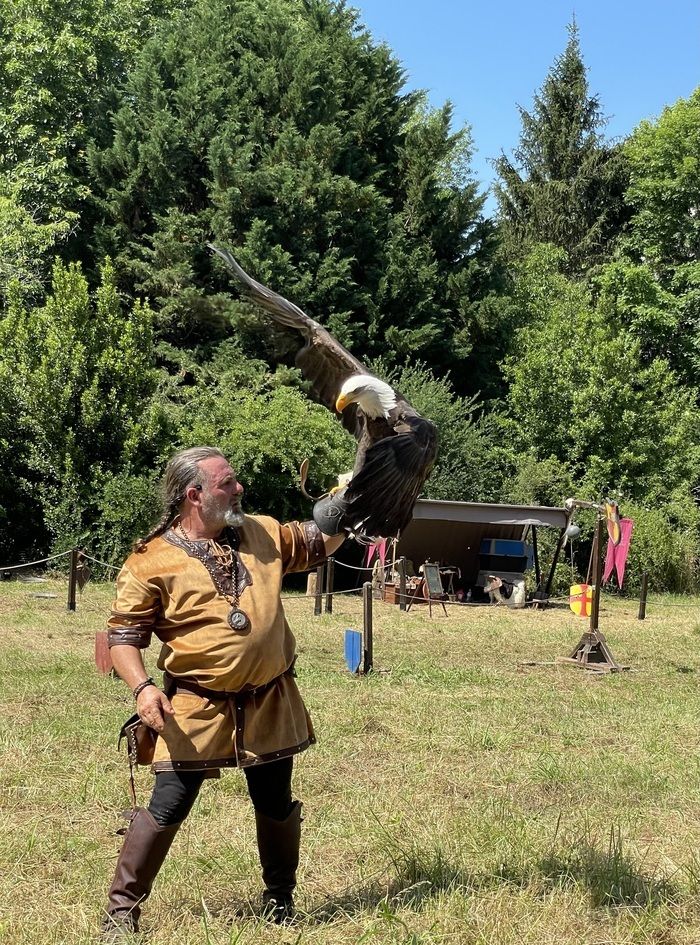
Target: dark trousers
[{"x": 269, "y": 786}]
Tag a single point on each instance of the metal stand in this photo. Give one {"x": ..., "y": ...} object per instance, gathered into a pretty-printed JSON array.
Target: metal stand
[{"x": 421, "y": 593}]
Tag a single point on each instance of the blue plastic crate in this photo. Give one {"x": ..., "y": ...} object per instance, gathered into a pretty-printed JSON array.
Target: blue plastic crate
[{"x": 502, "y": 546}]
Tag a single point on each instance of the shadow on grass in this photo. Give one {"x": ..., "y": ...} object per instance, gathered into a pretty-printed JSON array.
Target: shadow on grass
[
  {"x": 414, "y": 876},
  {"x": 611, "y": 878},
  {"x": 410, "y": 879}
]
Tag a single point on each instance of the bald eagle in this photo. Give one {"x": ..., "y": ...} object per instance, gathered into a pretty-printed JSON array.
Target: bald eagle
[{"x": 396, "y": 447}]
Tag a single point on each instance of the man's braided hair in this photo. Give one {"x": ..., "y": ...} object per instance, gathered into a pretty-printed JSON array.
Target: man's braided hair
[{"x": 181, "y": 472}]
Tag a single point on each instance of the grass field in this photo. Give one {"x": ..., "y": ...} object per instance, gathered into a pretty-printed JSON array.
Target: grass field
[{"x": 455, "y": 796}]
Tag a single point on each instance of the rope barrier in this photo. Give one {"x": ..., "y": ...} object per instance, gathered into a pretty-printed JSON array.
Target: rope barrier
[
  {"x": 609, "y": 599},
  {"x": 664, "y": 604},
  {"x": 352, "y": 567},
  {"x": 462, "y": 603},
  {"x": 29, "y": 564},
  {"x": 102, "y": 563},
  {"x": 312, "y": 596}
]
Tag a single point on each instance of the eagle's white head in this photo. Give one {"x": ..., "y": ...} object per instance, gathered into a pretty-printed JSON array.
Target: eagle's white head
[{"x": 373, "y": 397}]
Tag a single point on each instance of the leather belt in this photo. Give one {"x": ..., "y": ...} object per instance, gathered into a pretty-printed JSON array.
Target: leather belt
[{"x": 173, "y": 684}]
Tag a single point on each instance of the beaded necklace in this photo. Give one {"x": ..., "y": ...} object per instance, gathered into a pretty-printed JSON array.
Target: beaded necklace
[{"x": 226, "y": 567}]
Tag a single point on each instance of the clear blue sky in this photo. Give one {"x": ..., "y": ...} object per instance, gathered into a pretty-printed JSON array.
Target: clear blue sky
[{"x": 487, "y": 57}]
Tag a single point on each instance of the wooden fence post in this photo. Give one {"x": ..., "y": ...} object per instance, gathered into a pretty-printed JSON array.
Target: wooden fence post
[
  {"x": 330, "y": 563},
  {"x": 318, "y": 592},
  {"x": 367, "y": 635},
  {"x": 402, "y": 583},
  {"x": 72, "y": 578},
  {"x": 643, "y": 597}
]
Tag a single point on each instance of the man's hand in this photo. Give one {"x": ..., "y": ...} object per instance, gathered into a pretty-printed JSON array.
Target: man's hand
[{"x": 152, "y": 706}]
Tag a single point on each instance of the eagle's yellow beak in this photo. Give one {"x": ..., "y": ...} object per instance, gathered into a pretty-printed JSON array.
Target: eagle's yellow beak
[{"x": 341, "y": 403}]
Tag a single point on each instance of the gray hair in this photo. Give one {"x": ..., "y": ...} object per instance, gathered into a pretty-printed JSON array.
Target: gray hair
[{"x": 181, "y": 472}]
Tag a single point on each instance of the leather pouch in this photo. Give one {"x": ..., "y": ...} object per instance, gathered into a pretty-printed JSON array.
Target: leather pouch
[{"x": 140, "y": 741}]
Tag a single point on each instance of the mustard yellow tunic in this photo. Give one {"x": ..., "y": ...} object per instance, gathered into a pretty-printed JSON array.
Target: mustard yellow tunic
[{"x": 166, "y": 590}]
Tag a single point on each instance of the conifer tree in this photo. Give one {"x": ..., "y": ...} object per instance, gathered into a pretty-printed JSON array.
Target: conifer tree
[
  {"x": 282, "y": 130},
  {"x": 566, "y": 183},
  {"x": 59, "y": 63}
]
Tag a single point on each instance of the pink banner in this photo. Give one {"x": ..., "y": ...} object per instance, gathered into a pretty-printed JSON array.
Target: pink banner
[
  {"x": 616, "y": 556},
  {"x": 377, "y": 548}
]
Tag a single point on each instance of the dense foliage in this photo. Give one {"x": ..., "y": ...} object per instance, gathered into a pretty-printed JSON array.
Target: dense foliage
[
  {"x": 287, "y": 135},
  {"x": 555, "y": 346}
]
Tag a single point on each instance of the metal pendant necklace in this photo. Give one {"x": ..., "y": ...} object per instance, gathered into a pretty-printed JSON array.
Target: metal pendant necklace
[{"x": 221, "y": 561}]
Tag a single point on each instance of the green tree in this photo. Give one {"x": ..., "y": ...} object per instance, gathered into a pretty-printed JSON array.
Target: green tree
[
  {"x": 582, "y": 391},
  {"x": 566, "y": 183},
  {"x": 19, "y": 509},
  {"x": 664, "y": 187},
  {"x": 664, "y": 235},
  {"x": 59, "y": 63},
  {"x": 81, "y": 373},
  {"x": 24, "y": 248},
  {"x": 288, "y": 137}
]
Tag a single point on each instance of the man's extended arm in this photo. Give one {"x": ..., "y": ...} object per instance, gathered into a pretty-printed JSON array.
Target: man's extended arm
[{"x": 304, "y": 545}]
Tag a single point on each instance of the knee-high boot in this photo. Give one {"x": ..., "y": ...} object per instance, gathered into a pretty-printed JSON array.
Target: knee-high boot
[
  {"x": 278, "y": 846},
  {"x": 145, "y": 847}
]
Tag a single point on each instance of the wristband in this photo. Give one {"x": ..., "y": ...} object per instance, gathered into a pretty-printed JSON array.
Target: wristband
[{"x": 141, "y": 686}]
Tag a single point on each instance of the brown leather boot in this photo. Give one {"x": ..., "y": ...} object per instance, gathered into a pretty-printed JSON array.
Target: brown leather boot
[
  {"x": 278, "y": 846},
  {"x": 145, "y": 846}
]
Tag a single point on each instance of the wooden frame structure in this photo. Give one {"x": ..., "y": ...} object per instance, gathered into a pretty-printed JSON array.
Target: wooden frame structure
[{"x": 593, "y": 651}]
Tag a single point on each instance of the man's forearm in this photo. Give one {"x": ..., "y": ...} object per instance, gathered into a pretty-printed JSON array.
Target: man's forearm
[
  {"x": 152, "y": 705},
  {"x": 128, "y": 662}
]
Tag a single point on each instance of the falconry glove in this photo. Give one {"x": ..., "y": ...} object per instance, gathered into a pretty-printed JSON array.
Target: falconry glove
[{"x": 330, "y": 513}]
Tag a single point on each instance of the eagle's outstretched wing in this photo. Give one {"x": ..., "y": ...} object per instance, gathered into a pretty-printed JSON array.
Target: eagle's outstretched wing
[{"x": 323, "y": 361}]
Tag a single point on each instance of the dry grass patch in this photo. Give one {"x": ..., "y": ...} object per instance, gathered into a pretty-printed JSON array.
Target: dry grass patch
[{"x": 454, "y": 796}]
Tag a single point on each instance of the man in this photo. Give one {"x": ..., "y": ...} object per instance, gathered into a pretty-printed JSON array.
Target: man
[{"x": 206, "y": 581}]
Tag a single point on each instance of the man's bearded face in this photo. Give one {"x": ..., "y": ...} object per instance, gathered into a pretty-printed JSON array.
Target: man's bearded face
[
  {"x": 220, "y": 495},
  {"x": 219, "y": 511}
]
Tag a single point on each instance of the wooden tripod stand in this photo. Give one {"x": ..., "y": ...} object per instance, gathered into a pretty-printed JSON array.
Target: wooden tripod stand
[{"x": 592, "y": 651}]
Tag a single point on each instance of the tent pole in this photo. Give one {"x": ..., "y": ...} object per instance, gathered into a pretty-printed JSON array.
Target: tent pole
[
  {"x": 536, "y": 557},
  {"x": 555, "y": 560}
]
